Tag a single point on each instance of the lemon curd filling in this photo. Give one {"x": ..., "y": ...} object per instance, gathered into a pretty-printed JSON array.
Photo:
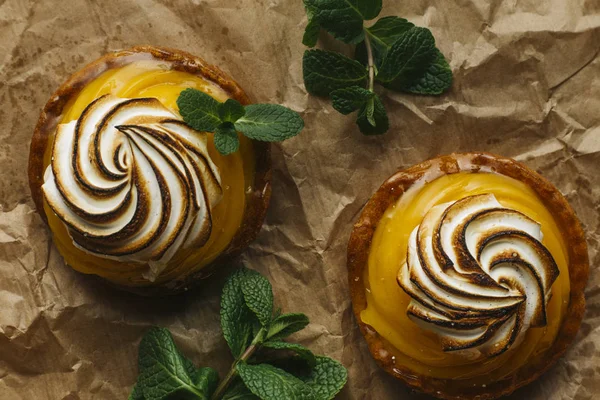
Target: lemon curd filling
[
  {"x": 419, "y": 349},
  {"x": 147, "y": 78}
]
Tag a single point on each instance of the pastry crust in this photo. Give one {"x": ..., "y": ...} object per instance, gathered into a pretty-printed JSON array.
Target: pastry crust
[
  {"x": 390, "y": 192},
  {"x": 257, "y": 200}
]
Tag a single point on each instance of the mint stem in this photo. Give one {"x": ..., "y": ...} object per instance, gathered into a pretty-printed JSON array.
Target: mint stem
[
  {"x": 370, "y": 61},
  {"x": 224, "y": 384}
]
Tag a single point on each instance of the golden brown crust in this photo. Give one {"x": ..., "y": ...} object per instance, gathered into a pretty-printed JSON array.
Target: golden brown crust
[
  {"x": 256, "y": 202},
  {"x": 390, "y": 192}
]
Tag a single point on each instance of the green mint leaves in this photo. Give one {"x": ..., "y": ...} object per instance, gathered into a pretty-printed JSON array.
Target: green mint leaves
[
  {"x": 372, "y": 118},
  {"x": 165, "y": 373},
  {"x": 199, "y": 110},
  {"x": 226, "y": 139},
  {"x": 269, "y": 123},
  {"x": 350, "y": 99},
  {"x": 383, "y": 34},
  {"x": 250, "y": 327},
  {"x": 258, "y": 295},
  {"x": 392, "y": 52},
  {"x": 407, "y": 58},
  {"x": 341, "y": 18},
  {"x": 264, "y": 122},
  {"x": 326, "y": 71},
  {"x": 327, "y": 378},
  {"x": 286, "y": 324},
  {"x": 271, "y": 383},
  {"x": 237, "y": 321}
]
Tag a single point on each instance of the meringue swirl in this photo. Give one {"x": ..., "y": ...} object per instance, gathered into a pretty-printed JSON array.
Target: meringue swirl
[
  {"x": 132, "y": 182},
  {"x": 478, "y": 275}
]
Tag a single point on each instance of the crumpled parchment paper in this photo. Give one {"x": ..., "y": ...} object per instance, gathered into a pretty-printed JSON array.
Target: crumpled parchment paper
[{"x": 527, "y": 85}]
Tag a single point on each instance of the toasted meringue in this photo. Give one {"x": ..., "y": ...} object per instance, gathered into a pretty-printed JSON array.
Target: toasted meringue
[
  {"x": 132, "y": 182},
  {"x": 478, "y": 275}
]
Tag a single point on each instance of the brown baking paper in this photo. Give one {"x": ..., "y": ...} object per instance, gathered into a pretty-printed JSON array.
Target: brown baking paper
[{"x": 527, "y": 85}]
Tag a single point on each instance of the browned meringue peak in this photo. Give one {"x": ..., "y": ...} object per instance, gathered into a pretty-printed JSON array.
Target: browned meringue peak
[
  {"x": 132, "y": 182},
  {"x": 478, "y": 275}
]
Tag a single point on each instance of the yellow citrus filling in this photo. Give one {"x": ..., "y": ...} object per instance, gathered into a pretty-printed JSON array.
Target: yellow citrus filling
[
  {"x": 418, "y": 349},
  {"x": 146, "y": 78}
]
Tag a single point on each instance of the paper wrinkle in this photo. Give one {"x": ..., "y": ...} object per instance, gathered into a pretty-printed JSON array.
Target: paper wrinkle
[{"x": 525, "y": 86}]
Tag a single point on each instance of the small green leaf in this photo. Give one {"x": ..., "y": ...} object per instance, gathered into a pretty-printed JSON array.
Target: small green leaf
[
  {"x": 189, "y": 367},
  {"x": 327, "y": 378},
  {"x": 199, "y": 110},
  {"x": 370, "y": 110},
  {"x": 136, "y": 393},
  {"x": 271, "y": 383},
  {"x": 163, "y": 371},
  {"x": 269, "y": 122},
  {"x": 231, "y": 110},
  {"x": 343, "y": 18},
  {"x": 408, "y": 57},
  {"x": 258, "y": 294},
  {"x": 286, "y": 324},
  {"x": 239, "y": 391},
  {"x": 383, "y": 34},
  {"x": 350, "y": 99},
  {"x": 337, "y": 18},
  {"x": 369, "y": 9},
  {"x": 300, "y": 350},
  {"x": 207, "y": 379},
  {"x": 236, "y": 318},
  {"x": 226, "y": 139},
  {"x": 379, "y": 117},
  {"x": 311, "y": 33},
  {"x": 326, "y": 71},
  {"x": 436, "y": 79}
]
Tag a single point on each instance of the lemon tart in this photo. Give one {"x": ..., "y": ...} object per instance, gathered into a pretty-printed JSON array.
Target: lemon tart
[
  {"x": 130, "y": 192},
  {"x": 467, "y": 275}
]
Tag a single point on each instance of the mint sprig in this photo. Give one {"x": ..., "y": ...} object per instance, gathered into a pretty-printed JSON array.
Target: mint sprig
[
  {"x": 392, "y": 52},
  {"x": 264, "y": 122},
  {"x": 251, "y": 329}
]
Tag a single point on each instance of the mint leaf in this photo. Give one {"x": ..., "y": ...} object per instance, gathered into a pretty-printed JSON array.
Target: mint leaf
[
  {"x": 412, "y": 53},
  {"x": 271, "y": 383},
  {"x": 239, "y": 391},
  {"x": 207, "y": 380},
  {"x": 338, "y": 18},
  {"x": 368, "y": 9},
  {"x": 226, "y": 139},
  {"x": 369, "y": 111},
  {"x": 231, "y": 110},
  {"x": 383, "y": 34},
  {"x": 436, "y": 79},
  {"x": 258, "y": 295},
  {"x": 269, "y": 122},
  {"x": 236, "y": 318},
  {"x": 199, "y": 110},
  {"x": 286, "y": 324},
  {"x": 373, "y": 111},
  {"x": 300, "y": 350},
  {"x": 163, "y": 371},
  {"x": 311, "y": 33},
  {"x": 189, "y": 367},
  {"x": 326, "y": 71},
  {"x": 136, "y": 393},
  {"x": 327, "y": 378},
  {"x": 350, "y": 99},
  {"x": 343, "y": 18}
]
